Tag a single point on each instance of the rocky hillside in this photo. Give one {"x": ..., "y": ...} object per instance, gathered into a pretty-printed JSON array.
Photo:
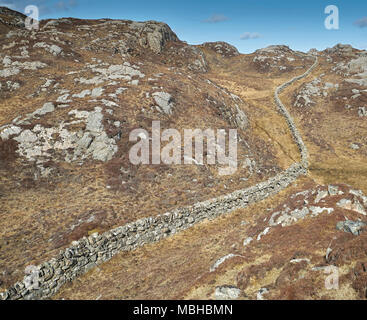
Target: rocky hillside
[
  {"x": 71, "y": 93},
  {"x": 10, "y": 18}
]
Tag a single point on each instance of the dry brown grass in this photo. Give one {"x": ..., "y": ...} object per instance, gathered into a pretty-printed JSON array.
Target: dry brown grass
[
  {"x": 264, "y": 264},
  {"x": 176, "y": 267},
  {"x": 328, "y": 132},
  {"x": 39, "y": 217}
]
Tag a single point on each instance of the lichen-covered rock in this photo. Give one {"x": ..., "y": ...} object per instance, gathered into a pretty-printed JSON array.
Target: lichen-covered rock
[
  {"x": 197, "y": 60},
  {"x": 12, "y": 18},
  {"x": 8, "y": 131},
  {"x": 362, "y": 112},
  {"x": 153, "y": 34},
  {"x": 113, "y": 72},
  {"x": 102, "y": 148},
  {"x": 47, "y": 108},
  {"x": 227, "y": 293},
  {"x": 41, "y": 143},
  {"x": 354, "y": 205},
  {"x": 52, "y": 48},
  {"x": 342, "y": 49},
  {"x": 164, "y": 101},
  {"x": 222, "y": 48},
  {"x": 354, "y": 227}
]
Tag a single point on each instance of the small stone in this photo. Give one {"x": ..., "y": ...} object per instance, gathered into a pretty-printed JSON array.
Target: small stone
[
  {"x": 321, "y": 195},
  {"x": 164, "y": 101},
  {"x": 190, "y": 220},
  {"x": 354, "y": 227},
  {"x": 227, "y": 293},
  {"x": 333, "y": 190},
  {"x": 166, "y": 230},
  {"x": 96, "y": 92},
  {"x": 260, "y": 293},
  {"x": 9, "y": 131},
  {"x": 221, "y": 260},
  {"x": 362, "y": 112},
  {"x": 247, "y": 241}
]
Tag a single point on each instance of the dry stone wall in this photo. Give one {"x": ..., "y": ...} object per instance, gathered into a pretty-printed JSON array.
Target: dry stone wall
[
  {"x": 296, "y": 136},
  {"x": 91, "y": 251}
]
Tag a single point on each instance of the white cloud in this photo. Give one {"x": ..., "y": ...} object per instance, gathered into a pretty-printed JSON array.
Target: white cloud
[
  {"x": 250, "y": 35},
  {"x": 215, "y": 18},
  {"x": 362, "y": 23},
  {"x": 65, "y": 5}
]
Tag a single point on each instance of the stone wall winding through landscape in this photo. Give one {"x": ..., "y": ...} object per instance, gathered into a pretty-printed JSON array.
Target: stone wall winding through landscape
[
  {"x": 284, "y": 111},
  {"x": 90, "y": 251}
]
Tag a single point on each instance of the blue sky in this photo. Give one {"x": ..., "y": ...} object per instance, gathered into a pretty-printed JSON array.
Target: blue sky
[{"x": 247, "y": 24}]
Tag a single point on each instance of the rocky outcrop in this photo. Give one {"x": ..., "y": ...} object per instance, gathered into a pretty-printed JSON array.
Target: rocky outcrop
[
  {"x": 193, "y": 57},
  {"x": 154, "y": 35},
  {"x": 354, "y": 227},
  {"x": 53, "y": 49},
  {"x": 222, "y": 48},
  {"x": 164, "y": 101},
  {"x": 227, "y": 293},
  {"x": 12, "y": 18},
  {"x": 44, "y": 143},
  {"x": 313, "y": 52},
  {"x": 278, "y": 49},
  {"x": 274, "y": 59},
  {"x": 340, "y": 49},
  {"x": 355, "y": 69}
]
